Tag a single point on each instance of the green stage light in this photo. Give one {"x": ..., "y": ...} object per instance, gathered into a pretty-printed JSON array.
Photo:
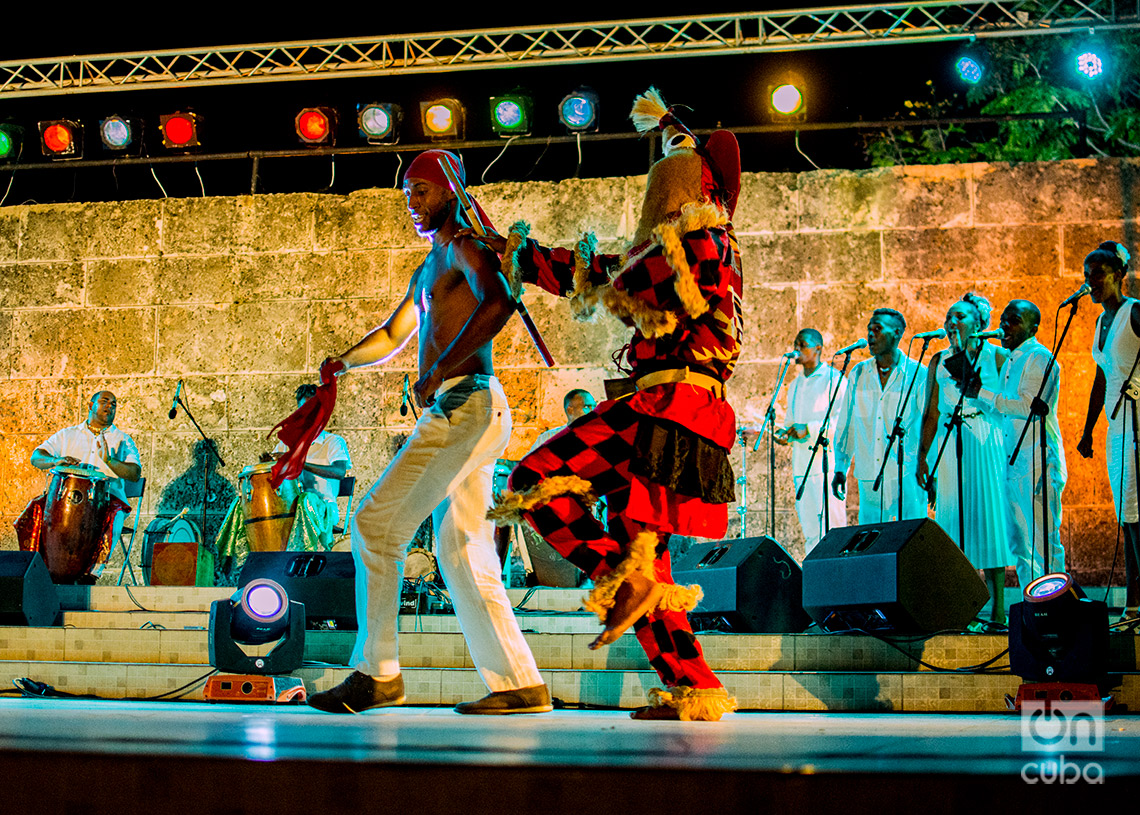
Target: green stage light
[
  {"x": 379, "y": 122},
  {"x": 511, "y": 114}
]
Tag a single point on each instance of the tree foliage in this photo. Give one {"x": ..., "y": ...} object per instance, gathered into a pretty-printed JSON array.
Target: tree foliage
[{"x": 1025, "y": 75}]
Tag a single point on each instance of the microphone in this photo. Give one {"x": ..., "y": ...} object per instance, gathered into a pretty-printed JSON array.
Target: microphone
[
  {"x": 940, "y": 334},
  {"x": 404, "y": 398},
  {"x": 855, "y": 346},
  {"x": 993, "y": 333},
  {"x": 1077, "y": 295},
  {"x": 791, "y": 354},
  {"x": 174, "y": 402}
]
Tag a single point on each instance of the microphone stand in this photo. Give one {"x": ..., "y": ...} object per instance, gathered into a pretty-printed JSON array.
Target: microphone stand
[
  {"x": 897, "y": 432},
  {"x": 213, "y": 448},
  {"x": 954, "y": 425},
  {"x": 822, "y": 443},
  {"x": 769, "y": 424},
  {"x": 1038, "y": 408}
]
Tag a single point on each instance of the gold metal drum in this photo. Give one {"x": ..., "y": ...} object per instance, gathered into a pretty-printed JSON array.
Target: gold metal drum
[{"x": 268, "y": 512}]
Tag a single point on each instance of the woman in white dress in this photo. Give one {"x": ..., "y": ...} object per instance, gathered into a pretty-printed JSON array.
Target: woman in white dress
[
  {"x": 1116, "y": 347},
  {"x": 986, "y": 539}
]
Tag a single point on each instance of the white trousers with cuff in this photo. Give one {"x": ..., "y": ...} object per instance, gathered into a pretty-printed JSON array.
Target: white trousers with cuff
[{"x": 444, "y": 469}]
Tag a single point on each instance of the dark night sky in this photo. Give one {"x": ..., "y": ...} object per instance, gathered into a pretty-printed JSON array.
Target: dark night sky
[{"x": 843, "y": 85}]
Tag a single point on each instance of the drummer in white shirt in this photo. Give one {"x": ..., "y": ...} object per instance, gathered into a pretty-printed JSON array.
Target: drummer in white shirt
[{"x": 98, "y": 445}]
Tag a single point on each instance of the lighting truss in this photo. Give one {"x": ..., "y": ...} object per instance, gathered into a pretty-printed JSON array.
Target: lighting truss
[{"x": 741, "y": 33}]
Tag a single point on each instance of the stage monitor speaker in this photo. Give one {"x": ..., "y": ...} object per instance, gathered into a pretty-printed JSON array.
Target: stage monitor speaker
[
  {"x": 903, "y": 576},
  {"x": 1070, "y": 647},
  {"x": 751, "y": 583},
  {"x": 27, "y": 595},
  {"x": 323, "y": 581}
]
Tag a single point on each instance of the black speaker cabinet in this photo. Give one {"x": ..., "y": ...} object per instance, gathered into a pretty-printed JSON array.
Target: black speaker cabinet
[
  {"x": 27, "y": 595},
  {"x": 904, "y": 576},
  {"x": 323, "y": 581},
  {"x": 752, "y": 583}
]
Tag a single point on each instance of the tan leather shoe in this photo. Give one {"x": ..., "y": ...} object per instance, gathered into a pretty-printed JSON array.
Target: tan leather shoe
[
  {"x": 359, "y": 693},
  {"x": 535, "y": 699}
]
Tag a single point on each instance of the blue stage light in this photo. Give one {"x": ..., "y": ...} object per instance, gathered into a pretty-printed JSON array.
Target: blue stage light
[
  {"x": 578, "y": 111},
  {"x": 970, "y": 70},
  {"x": 1090, "y": 64},
  {"x": 116, "y": 133}
]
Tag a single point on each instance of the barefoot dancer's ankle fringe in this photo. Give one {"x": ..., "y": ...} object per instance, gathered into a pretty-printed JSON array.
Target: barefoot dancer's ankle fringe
[
  {"x": 694, "y": 704},
  {"x": 642, "y": 552},
  {"x": 681, "y": 598}
]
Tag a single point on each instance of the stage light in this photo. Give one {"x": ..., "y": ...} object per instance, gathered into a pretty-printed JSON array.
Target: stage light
[
  {"x": 442, "y": 118},
  {"x": 10, "y": 137},
  {"x": 379, "y": 123},
  {"x": 578, "y": 111},
  {"x": 258, "y": 613},
  {"x": 786, "y": 99},
  {"x": 61, "y": 139},
  {"x": 1090, "y": 63},
  {"x": 969, "y": 69},
  {"x": 511, "y": 114},
  {"x": 179, "y": 130},
  {"x": 117, "y": 133},
  {"x": 316, "y": 126},
  {"x": 1056, "y": 634}
]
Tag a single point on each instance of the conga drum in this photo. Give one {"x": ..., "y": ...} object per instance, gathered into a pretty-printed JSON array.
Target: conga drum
[
  {"x": 268, "y": 512},
  {"x": 75, "y": 513},
  {"x": 172, "y": 554}
]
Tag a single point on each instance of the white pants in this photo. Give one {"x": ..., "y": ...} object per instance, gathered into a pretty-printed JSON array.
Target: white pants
[
  {"x": 444, "y": 469},
  {"x": 1024, "y": 524},
  {"x": 883, "y": 506},
  {"x": 810, "y": 510}
]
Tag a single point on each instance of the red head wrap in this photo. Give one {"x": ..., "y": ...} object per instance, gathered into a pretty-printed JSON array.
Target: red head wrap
[{"x": 426, "y": 166}]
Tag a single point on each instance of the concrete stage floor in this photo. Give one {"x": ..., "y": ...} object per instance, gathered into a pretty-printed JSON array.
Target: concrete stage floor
[{"x": 80, "y": 756}]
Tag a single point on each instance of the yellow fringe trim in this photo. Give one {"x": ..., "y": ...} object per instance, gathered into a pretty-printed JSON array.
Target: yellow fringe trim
[
  {"x": 694, "y": 704},
  {"x": 509, "y": 506},
  {"x": 648, "y": 108},
  {"x": 584, "y": 300},
  {"x": 642, "y": 553},
  {"x": 516, "y": 237},
  {"x": 681, "y": 598},
  {"x": 630, "y": 310},
  {"x": 693, "y": 216}
]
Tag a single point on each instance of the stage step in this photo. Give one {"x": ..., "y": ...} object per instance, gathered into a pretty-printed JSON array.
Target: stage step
[{"x": 868, "y": 691}]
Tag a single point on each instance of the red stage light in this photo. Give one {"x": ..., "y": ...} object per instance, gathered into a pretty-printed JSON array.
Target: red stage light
[
  {"x": 57, "y": 138},
  {"x": 61, "y": 138},
  {"x": 315, "y": 125},
  {"x": 179, "y": 130}
]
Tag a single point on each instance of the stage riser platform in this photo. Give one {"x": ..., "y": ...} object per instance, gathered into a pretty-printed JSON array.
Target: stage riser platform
[
  {"x": 427, "y": 649},
  {"x": 754, "y": 690}
]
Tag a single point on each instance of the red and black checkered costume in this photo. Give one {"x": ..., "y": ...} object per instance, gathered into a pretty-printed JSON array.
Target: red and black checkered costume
[{"x": 660, "y": 455}]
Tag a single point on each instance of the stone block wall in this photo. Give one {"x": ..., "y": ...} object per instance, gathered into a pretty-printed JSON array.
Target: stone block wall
[{"x": 243, "y": 297}]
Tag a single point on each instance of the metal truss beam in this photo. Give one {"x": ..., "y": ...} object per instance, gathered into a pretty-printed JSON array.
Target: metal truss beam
[{"x": 713, "y": 35}]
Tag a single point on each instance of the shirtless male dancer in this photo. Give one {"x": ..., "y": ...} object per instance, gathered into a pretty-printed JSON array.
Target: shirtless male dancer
[{"x": 458, "y": 300}]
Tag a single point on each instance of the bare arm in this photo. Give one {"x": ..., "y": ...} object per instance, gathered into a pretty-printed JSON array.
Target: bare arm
[
  {"x": 382, "y": 343},
  {"x": 494, "y": 307},
  {"x": 1096, "y": 406},
  {"x": 334, "y": 469},
  {"x": 43, "y": 460}
]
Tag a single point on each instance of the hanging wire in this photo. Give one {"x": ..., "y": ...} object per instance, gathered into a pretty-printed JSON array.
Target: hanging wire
[
  {"x": 332, "y": 177},
  {"x": 483, "y": 177},
  {"x": 399, "y": 166},
  {"x": 201, "y": 183},
  {"x": 12, "y": 175},
  {"x": 805, "y": 155}
]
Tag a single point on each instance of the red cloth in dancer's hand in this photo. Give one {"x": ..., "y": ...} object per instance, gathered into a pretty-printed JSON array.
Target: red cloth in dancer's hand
[{"x": 301, "y": 428}]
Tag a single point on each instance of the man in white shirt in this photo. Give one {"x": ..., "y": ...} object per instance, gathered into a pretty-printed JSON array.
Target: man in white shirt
[
  {"x": 875, "y": 392},
  {"x": 1021, "y": 377},
  {"x": 576, "y": 404},
  {"x": 326, "y": 462},
  {"x": 97, "y": 445},
  {"x": 808, "y": 397}
]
